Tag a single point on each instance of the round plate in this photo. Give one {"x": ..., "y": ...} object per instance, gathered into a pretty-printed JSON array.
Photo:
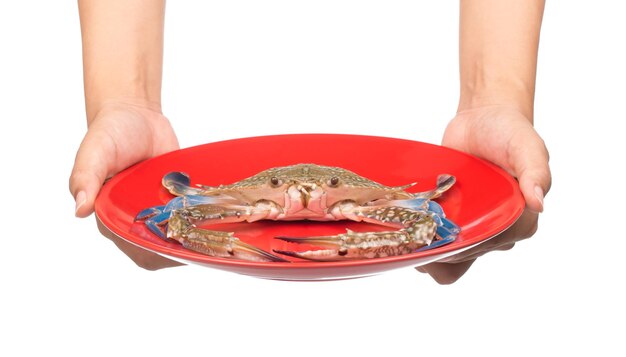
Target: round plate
[{"x": 484, "y": 201}]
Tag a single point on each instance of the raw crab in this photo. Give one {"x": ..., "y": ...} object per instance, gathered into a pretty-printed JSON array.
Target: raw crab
[{"x": 303, "y": 192}]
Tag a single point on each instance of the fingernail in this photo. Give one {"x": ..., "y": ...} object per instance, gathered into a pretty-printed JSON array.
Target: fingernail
[
  {"x": 81, "y": 198},
  {"x": 539, "y": 195}
]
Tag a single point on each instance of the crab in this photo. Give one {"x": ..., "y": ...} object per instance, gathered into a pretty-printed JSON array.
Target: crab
[{"x": 303, "y": 192}]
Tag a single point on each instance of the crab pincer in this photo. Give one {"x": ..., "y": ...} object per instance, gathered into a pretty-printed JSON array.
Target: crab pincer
[
  {"x": 177, "y": 221},
  {"x": 422, "y": 228},
  {"x": 351, "y": 245}
]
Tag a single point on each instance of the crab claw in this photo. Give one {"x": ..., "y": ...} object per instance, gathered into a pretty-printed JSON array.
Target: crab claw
[
  {"x": 223, "y": 244},
  {"x": 333, "y": 242},
  {"x": 353, "y": 245},
  {"x": 246, "y": 251},
  {"x": 149, "y": 213},
  {"x": 156, "y": 219},
  {"x": 179, "y": 184},
  {"x": 444, "y": 182}
]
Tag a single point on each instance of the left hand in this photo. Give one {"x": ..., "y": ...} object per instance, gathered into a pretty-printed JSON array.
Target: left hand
[{"x": 503, "y": 135}]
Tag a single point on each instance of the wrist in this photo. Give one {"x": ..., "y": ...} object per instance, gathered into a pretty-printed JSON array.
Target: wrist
[
  {"x": 96, "y": 107},
  {"x": 510, "y": 93},
  {"x": 136, "y": 85}
]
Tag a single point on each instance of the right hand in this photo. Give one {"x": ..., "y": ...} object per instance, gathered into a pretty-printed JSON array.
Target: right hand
[{"x": 120, "y": 135}]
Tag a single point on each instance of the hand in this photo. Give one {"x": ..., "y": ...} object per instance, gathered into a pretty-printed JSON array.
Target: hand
[
  {"x": 504, "y": 136},
  {"x": 120, "y": 135},
  {"x": 142, "y": 257}
]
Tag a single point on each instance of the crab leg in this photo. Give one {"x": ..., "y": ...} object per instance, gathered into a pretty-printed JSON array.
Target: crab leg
[
  {"x": 157, "y": 217},
  {"x": 178, "y": 221},
  {"x": 444, "y": 182},
  {"x": 418, "y": 230}
]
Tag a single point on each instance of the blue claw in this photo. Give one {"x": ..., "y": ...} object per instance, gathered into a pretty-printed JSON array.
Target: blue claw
[
  {"x": 177, "y": 178},
  {"x": 418, "y": 204},
  {"x": 446, "y": 230},
  {"x": 149, "y": 212},
  {"x": 437, "y": 243},
  {"x": 193, "y": 200},
  {"x": 450, "y": 226},
  {"x": 155, "y": 218},
  {"x": 179, "y": 184},
  {"x": 175, "y": 203},
  {"x": 158, "y": 224},
  {"x": 436, "y": 208}
]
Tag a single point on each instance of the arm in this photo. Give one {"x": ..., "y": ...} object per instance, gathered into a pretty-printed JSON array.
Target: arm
[
  {"x": 499, "y": 40},
  {"x": 498, "y": 60},
  {"x": 122, "y": 64},
  {"x": 122, "y": 61},
  {"x": 122, "y": 51}
]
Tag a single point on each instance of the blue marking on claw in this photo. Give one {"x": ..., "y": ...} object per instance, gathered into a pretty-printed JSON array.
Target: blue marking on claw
[
  {"x": 179, "y": 184},
  {"x": 175, "y": 203},
  {"x": 436, "y": 208},
  {"x": 451, "y": 226},
  {"x": 194, "y": 200},
  {"x": 417, "y": 204},
  {"x": 437, "y": 219},
  {"x": 158, "y": 224},
  {"x": 177, "y": 178},
  {"x": 149, "y": 212},
  {"x": 437, "y": 243},
  {"x": 446, "y": 230},
  {"x": 156, "y": 218}
]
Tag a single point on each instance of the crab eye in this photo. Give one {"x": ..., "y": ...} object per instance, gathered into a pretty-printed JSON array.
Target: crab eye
[
  {"x": 334, "y": 181},
  {"x": 275, "y": 181}
]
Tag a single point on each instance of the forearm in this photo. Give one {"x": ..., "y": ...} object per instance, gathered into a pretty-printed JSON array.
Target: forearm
[
  {"x": 498, "y": 52},
  {"x": 122, "y": 51}
]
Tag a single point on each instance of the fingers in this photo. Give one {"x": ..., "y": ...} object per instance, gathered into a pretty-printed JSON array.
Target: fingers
[
  {"x": 143, "y": 258},
  {"x": 507, "y": 138},
  {"x": 90, "y": 170},
  {"x": 522, "y": 229},
  {"x": 448, "y": 270},
  {"x": 528, "y": 157},
  {"x": 120, "y": 136},
  {"x": 445, "y": 273}
]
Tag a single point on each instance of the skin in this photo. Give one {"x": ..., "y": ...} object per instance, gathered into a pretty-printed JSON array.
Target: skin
[
  {"x": 122, "y": 60},
  {"x": 122, "y": 75},
  {"x": 498, "y": 61}
]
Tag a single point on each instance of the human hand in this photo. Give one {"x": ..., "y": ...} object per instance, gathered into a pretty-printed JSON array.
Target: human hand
[
  {"x": 142, "y": 257},
  {"x": 503, "y": 135},
  {"x": 120, "y": 135}
]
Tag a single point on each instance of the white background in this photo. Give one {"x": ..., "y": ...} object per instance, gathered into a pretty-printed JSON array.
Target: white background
[{"x": 248, "y": 68}]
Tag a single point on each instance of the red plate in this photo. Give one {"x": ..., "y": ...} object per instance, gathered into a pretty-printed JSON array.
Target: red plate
[{"x": 484, "y": 201}]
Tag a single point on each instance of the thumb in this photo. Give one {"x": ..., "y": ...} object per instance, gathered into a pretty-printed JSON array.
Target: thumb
[
  {"x": 528, "y": 157},
  {"x": 90, "y": 170}
]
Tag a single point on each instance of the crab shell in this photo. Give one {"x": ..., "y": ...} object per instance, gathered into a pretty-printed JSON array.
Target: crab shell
[{"x": 304, "y": 191}]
